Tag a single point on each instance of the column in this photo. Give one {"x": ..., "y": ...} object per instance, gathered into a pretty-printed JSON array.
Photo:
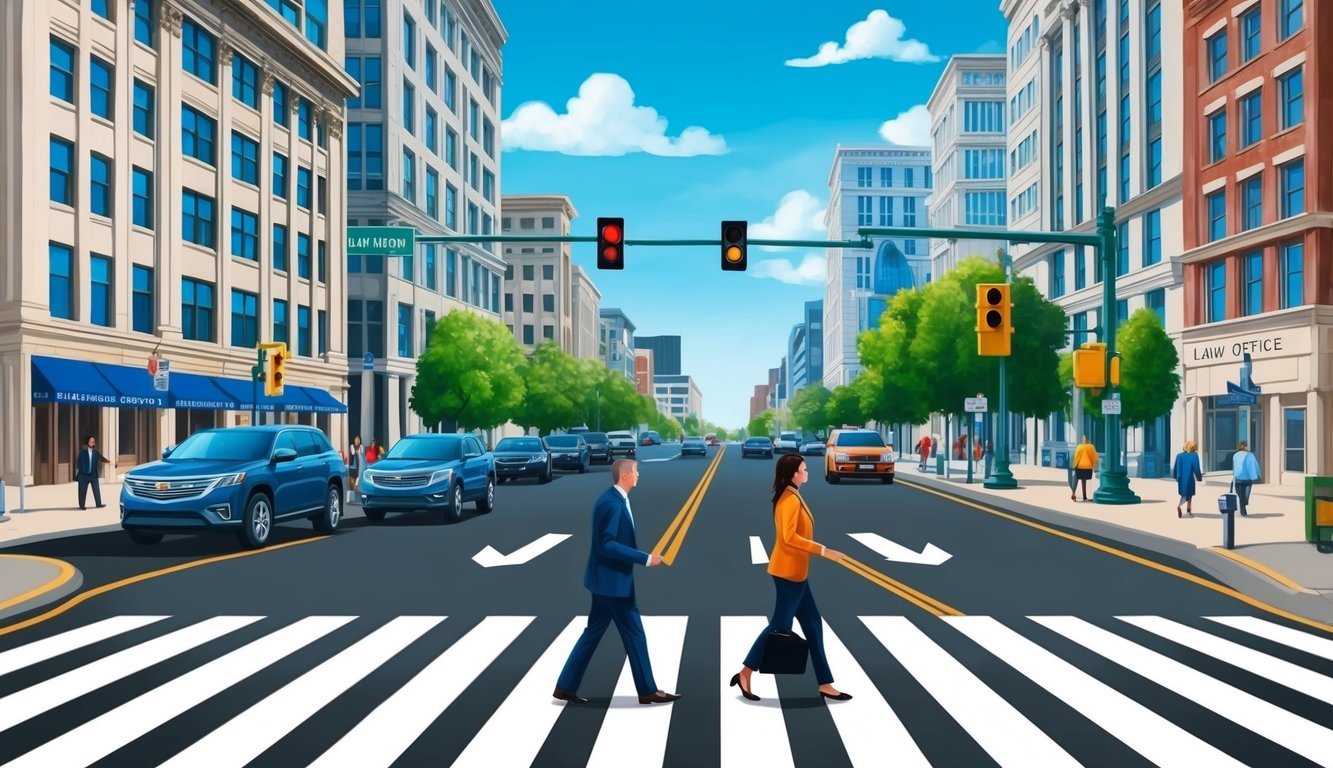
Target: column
[
  {"x": 222, "y": 192},
  {"x": 1317, "y": 458},
  {"x": 414, "y": 425},
  {"x": 394, "y": 409},
  {"x": 166, "y": 178}
]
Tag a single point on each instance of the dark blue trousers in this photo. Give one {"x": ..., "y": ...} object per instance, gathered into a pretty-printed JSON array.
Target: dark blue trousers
[
  {"x": 84, "y": 482},
  {"x": 795, "y": 601},
  {"x": 625, "y": 613}
]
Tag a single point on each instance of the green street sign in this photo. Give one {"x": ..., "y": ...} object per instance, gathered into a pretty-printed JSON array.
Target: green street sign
[{"x": 388, "y": 241}]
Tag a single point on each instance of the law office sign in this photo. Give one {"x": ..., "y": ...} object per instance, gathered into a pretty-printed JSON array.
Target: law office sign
[{"x": 385, "y": 241}]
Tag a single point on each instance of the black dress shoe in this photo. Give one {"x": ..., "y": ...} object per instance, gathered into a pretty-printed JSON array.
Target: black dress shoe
[
  {"x": 572, "y": 698},
  {"x": 844, "y": 696},
  {"x": 100, "y": 506},
  {"x": 661, "y": 697},
  {"x": 736, "y": 681}
]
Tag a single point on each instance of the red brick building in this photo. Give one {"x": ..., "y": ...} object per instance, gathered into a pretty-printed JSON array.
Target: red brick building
[{"x": 1258, "y": 231}]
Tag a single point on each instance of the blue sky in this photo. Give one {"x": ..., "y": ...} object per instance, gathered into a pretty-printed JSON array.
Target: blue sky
[{"x": 755, "y": 97}]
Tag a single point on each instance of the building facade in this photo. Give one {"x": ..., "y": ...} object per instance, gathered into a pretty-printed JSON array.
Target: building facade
[
  {"x": 805, "y": 347},
  {"x": 871, "y": 187},
  {"x": 616, "y": 341},
  {"x": 643, "y": 371},
  {"x": 666, "y": 353},
  {"x": 1258, "y": 261},
  {"x": 759, "y": 400},
  {"x": 539, "y": 281},
  {"x": 1107, "y": 82},
  {"x": 585, "y": 304},
  {"x": 133, "y": 134},
  {"x": 968, "y": 137},
  {"x": 678, "y": 396}
]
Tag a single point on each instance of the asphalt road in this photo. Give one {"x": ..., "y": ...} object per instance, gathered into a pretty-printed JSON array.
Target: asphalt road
[{"x": 388, "y": 644}]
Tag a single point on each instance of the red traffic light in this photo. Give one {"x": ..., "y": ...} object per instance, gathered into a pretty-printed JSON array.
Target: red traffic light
[
  {"x": 611, "y": 233},
  {"x": 610, "y": 243}
]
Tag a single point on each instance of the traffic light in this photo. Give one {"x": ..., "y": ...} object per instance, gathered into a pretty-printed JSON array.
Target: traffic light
[
  {"x": 277, "y": 361},
  {"x": 1090, "y": 366},
  {"x": 734, "y": 245},
  {"x": 993, "y": 321},
  {"x": 610, "y": 243}
]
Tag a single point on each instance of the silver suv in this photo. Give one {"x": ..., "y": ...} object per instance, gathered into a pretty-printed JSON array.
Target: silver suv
[{"x": 622, "y": 444}]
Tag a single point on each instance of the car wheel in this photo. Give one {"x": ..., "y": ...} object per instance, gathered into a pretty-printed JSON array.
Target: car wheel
[
  {"x": 545, "y": 476},
  {"x": 886, "y": 480},
  {"x": 327, "y": 521},
  {"x": 454, "y": 512},
  {"x": 143, "y": 537},
  {"x": 500, "y": 480},
  {"x": 487, "y": 502},
  {"x": 257, "y": 523},
  {"x": 832, "y": 478},
  {"x": 583, "y": 466},
  {"x": 373, "y": 515}
]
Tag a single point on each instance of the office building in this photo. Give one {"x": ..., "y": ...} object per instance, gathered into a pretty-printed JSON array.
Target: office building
[
  {"x": 666, "y": 353},
  {"x": 805, "y": 348},
  {"x": 759, "y": 400},
  {"x": 677, "y": 396},
  {"x": 538, "y": 277},
  {"x": 643, "y": 371},
  {"x": 616, "y": 341},
  {"x": 585, "y": 304}
]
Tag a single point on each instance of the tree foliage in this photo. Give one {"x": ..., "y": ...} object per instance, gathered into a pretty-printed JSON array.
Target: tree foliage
[
  {"x": 809, "y": 408},
  {"x": 612, "y": 401},
  {"x": 844, "y": 406},
  {"x": 557, "y": 388},
  {"x": 1149, "y": 380},
  {"x": 761, "y": 425},
  {"x": 469, "y": 376}
]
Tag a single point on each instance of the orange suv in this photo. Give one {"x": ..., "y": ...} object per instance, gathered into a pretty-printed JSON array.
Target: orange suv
[{"x": 858, "y": 453}]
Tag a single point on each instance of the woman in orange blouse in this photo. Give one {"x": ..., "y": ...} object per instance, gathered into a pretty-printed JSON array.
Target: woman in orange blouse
[{"x": 789, "y": 564}]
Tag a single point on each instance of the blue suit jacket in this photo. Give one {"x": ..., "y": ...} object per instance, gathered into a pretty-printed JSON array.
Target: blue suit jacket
[{"x": 614, "y": 551}]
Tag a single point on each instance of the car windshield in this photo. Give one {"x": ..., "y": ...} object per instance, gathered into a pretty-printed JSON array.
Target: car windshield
[
  {"x": 788, "y": 436},
  {"x": 694, "y": 439},
  {"x": 860, "y": 440},
  {"x": 523, "y": 444},
  {"x": 224, "y": 445},
  {"x": 620, "y": 435},
  {"x": 426, "y": 449},
  {"x": 594, "y": 437},
  {"x": 563, "y": 441},
  {"x": 757, "y": 441}
]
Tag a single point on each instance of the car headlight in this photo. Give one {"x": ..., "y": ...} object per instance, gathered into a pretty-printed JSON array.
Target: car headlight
[
  {"x": 841, "y": 457},
  {"x": 888, "y": 457},
  {"x": 441, "y": 476},
  {"x": 228, "y": 480},
  {"x": 366, "y": 478}
]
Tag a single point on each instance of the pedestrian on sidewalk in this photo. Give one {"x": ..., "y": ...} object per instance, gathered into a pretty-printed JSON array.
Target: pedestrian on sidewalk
[
  {"x": 354, "y": 459},
  {"x": 1085, "y": 460},
  {"x": 989, "y": 454},
  {"x": 89, "y": 467},
  {"x": 1187, "y": 472},
  {"x": 923, "y": 446},
  {"x": 1245, "y": 473},
  {"x": 372, "y": 452}
]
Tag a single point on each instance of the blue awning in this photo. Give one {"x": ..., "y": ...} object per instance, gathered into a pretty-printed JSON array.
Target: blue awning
[
  {"x": 201, "y": 393},
  {"x": 324, "y": 402},
  {"x": 57, "y": 380},
  {"x": 134, "y": 386},
  {"x": 243, "y": 392}
]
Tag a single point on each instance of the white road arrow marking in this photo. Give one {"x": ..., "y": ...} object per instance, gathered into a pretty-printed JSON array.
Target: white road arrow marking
[
  {"x": 758, "y": 555},
  {"x": 931, "y": 555},
  {"x": 490, "y": 557}
]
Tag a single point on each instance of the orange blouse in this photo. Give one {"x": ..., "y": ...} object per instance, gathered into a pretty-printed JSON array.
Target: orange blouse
[{"x": 793, "y": 547}]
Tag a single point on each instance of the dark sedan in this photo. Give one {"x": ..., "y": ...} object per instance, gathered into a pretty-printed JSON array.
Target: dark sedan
[
  {"x": 694, "y": 444},
  {"x": 569, "y": 452},
  {"x": 517, "y": 457},
  {"x": 599, "y": 446},
  {"x": 759, "y": 446}
]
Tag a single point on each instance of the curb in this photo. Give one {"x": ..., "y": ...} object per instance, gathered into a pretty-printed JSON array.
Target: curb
[{"x": 68, "y": 581}]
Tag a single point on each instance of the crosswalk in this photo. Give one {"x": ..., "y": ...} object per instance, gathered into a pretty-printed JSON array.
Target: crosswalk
[{"x": 1012, "y": 691}]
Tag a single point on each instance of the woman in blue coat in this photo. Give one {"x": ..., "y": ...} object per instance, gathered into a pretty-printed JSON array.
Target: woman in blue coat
[{"x": 1186, "y": 471}]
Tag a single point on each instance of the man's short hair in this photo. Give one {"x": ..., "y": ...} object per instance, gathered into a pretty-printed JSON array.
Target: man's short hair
[{"x": 620, "y": 467}]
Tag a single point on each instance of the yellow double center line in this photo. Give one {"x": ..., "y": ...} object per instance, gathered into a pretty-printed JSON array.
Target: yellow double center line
[
  {"x": 913, "y": 596},
  {"x": 675, "y": 533}
]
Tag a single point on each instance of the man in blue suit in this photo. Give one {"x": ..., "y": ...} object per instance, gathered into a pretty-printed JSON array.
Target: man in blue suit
[{"x": 610, "y": 579}]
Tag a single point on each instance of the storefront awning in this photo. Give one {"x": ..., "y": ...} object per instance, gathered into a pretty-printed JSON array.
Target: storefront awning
[
  {"x": 201, "y": 393},
  {"x": 57, "y": 380},
  {"x": 134, "y": 386},
  {"x": 324, "y": 402}
]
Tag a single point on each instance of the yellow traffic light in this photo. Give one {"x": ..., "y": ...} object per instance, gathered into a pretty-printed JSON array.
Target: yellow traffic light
[
  {"x": 734, "y": 242},
  {"x": 994, "y": 325},
  {"x": 277, "y": 362},
  {"x": 1090, "y": 366}
]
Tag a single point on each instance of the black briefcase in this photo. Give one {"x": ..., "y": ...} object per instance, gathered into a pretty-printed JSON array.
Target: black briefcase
[{"x": 784, "y": 654}]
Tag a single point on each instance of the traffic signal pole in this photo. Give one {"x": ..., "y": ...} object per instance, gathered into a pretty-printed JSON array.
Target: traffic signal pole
[
  {"x": 1113, "y": 485},
  {"x": 1002, "y": 477}
]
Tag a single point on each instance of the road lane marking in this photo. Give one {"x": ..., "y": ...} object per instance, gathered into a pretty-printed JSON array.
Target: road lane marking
[
  {"x": 1008, "y": 737},
  {"x": 490, "y": 557},
  {"x": 516, "y": 731},
  {"x": 103, "y": 735},
  {"x": 1292, "y": 638},
  {"x": 79, "y": 598},
  {"x": 246, "y": 736},
  {"x": 869, "y": 728},
  {"x": 680, "y": 525},
  {"x": 758, "y": 555},
  {"x": 913, "y": 596},
  {"x": 1159, "y": 740},
  {"x": 892, "y": 550},
  {"x": 386, "y": 733},
  {"x": 743, "y": 721},
  {"x": 30, "y": 702},
  {"x": 1297, "y": 734},
  {"x": 1156, "y": 566},
  {"x": 629, "y": 730},
  {"x": 42, "y": 650},
  {"x": 1280, "y": 671},
  {"x": 67, "y": 572}
]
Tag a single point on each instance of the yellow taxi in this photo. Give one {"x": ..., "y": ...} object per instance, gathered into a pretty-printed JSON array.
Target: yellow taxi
[{"x": 858, "y": 453}]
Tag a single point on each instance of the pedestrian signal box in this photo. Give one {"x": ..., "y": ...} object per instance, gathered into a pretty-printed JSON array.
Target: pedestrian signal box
[{"x": 994, "y": 326}]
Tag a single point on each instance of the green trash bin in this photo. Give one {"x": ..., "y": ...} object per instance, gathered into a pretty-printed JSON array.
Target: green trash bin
[
  {"x": 1319, "y": 512},
  {"x": 939, "y": 464}
]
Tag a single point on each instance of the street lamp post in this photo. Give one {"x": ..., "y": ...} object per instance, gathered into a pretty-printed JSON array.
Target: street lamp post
[{"x": 597, "y": 408}]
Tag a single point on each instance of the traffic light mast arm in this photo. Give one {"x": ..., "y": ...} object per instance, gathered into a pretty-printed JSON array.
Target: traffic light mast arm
[
  {"x": 1096, "y": 330},
  {"x": 866, "y": 244},
  {"x": 1069, "y": 238}
]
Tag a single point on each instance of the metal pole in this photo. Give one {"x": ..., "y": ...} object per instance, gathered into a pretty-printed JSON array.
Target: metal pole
[
  {"x": 597, "y": 408},
  {"x": 1114, "y": 483},
  {"x": 1002, "y": 478}
]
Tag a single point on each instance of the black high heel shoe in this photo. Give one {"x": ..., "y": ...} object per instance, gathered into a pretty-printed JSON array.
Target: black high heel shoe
[
  {"x": 736, "y": 681},
  {"x": 844, "y": 696}
]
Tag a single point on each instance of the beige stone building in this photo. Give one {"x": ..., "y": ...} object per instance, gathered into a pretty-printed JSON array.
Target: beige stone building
[
  {"x": 585, "y": 303},
  {"x": 539, "y": 276},
  {"x": 172, "y": 185}
]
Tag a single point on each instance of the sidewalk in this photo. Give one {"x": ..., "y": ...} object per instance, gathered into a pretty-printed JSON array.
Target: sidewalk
[
  {"x": 1270, "y": 547},
  {"x": 53, "y": 510}
]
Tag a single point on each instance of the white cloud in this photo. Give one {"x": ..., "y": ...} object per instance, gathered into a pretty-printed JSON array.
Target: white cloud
[
  {"x": 990, "y": 46},
  {"x": 800, "y": 216},
  {"x": 811, "y": 270},
  {"x": 603, "y": 120},
  {"x": 880, "y": 36},
  {"x": 910, "y": 127}
]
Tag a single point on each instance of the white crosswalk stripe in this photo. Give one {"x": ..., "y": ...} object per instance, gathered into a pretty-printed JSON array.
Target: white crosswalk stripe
[{"x": 523, "y": 724}]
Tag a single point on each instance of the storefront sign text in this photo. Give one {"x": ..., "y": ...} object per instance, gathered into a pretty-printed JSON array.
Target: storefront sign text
[{"x": 1237, "y": 349}]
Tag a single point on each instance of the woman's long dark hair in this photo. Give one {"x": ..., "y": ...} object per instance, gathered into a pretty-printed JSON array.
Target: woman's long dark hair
[{"x": 783, "y": 474}]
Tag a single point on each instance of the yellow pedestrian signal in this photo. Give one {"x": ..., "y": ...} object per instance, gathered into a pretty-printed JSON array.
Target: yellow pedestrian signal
[
  {"x": 993, "y": 319},
  {"x": 734, "y": 236},
  {"x": 277, "y": 362},
  {"x": 1090, "y": 366}
]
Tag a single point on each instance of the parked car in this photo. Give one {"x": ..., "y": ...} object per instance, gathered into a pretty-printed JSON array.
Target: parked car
[
  {"x": 430, "y": 471},
  {"x": 599, "y": 446},
  {"x": 569, "y": 452},
  {"x": 240, "y": 480},
  {"x": 711, "y": 439},
  {"x": 759, "y": 446},
  {"x": 650, "y": 438},
  {"x": 858, "y": 453},
  {"x": 622, "y": 444},
  {"x": 812, "y": 448},
  {"x": 787, "y": 442},
  {"x": 694, "y": 444},
  {"x": 517, "y": 457}
]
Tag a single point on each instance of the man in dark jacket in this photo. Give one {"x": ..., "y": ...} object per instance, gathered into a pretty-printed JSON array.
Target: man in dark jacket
[{"x": 87, "y": 468}]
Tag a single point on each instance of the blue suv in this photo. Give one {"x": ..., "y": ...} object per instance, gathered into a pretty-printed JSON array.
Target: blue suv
[
  {"x": 241, "y": 480},
  {"x": 431, "y": 471}
]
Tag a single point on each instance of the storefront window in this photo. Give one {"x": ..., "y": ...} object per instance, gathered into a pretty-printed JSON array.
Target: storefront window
[
  {"x": 1223, "y": 423},
  {"x": 1293, "y": 430}
]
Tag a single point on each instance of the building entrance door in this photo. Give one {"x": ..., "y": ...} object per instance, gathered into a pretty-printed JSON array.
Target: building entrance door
[
  {"x": 1223, "y": 434},
  {"x": 59, "y": 430}
]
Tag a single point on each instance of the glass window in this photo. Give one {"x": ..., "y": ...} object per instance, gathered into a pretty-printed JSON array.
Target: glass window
[
  {"x": 450, "y": 207},
  {"x": 409, "y": 41},
  {"x": 1293, "y": 439},
  {"x": 1292, "y": 89},
  {"x": 61, "y": 297},
  {"x": 280, "y": 175},
  {"x": 197, "y": 48},
  {"x": 62, "y": 171},
  {"x": 142, "y": 297},
  {"x": 304, "y": 124},
  {"x": 1249, "y": 34},
  {"x": 1152, "y": 238},
  {"x": 430, "y": 267},
  {"x": 1290, "y": 17},
  {"x": 432, "y": 193},
  {"x": 1156, "y": 301},
  {"x": 409, "y": 176},
  {"x": 1253, "y": 265},
  {"x": 244, "y": 234},
  {"x": 245, "y": 81},
  {"x": 323, "y": 330},
  {"x": 1217, "y": 135},
  {"x": 244, "y": 158},
  {"x": 1217, "y": 215},
  {"x": 280, "y": 103},
  {"x": 63, "y": 85},
  {"x": 303, "y": 255},
  {"x": 144, "y": 112},
  {"x": 1217, "y": 292},
  {"x": 405, "y": 330},
  {"x": 1251, "y": 118},
  {"x": 303, "y": 188},
  {"x": 280, "y": 320},
  {"x": 323, "y": 262},
  {"x": 197, "y": 219},
  {"x": 1292, "y": 178},
  {"x": 1252, "y": 201},
  {"x": 197, "y": 134},
  {"x": 244, "y": 319},
  {"x": 1122, "y": 248},
  {"x": 372, "y": 94},
  {"x": 196, "y": 310},
  {"x": 143, "y": 21},
  {"x": 303, "y": 331},
  {"x": 280, "y": 247},
  {"x": 142, "y": 202},
  {"x": 432, "y": 66},
  {"x": 432, "y": 130},
  {"x": 1217, "y": 56},
  {"x": 101, "y": 86},
  {"x": 1293, "y": 274}
]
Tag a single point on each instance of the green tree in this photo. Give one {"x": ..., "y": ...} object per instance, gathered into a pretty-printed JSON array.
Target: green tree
[
  {"x": 808, "y": 408},
  {"x": 612, "y": 401},
  {"x": 761, "y": 425},
  {"x": 556, "y": 386},
  {"x": 844, "y": 407},
  {"x": 1035, "y": 388},
  {"x": 1149, "y": 381},
  {"x": 469, "y": 376}
]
